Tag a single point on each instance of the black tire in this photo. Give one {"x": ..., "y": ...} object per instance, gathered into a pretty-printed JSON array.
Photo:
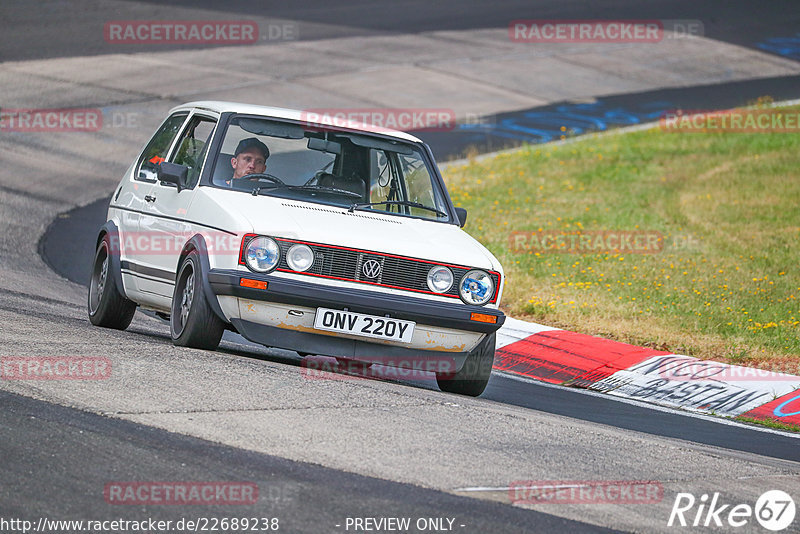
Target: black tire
[
  {"x": 106, "y": 304},
  {"x": 471, "y": 380},
  {"x": 193, "y": 323}
]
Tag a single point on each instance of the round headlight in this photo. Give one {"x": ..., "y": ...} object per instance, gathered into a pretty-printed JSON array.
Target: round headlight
[
  {"x": 476, "y": 287},
  {"x": 300, "y": 258},
  {"x": 262, "y": 254},
  {"x": 440, "y": 279}
]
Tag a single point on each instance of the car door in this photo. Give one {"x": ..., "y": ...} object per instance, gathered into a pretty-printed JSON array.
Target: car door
[
  {"x": 165, "y": 220},
  {"x": 131, "y": 203}
]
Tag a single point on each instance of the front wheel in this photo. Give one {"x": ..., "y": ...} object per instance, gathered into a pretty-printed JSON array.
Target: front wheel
[
  {"x": 474, "y": 375},
  {"x": 107, "y": 306},
  {"x": 193, "y": 323}
]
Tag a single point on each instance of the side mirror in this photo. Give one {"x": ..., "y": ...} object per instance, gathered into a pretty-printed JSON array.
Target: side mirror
[
  {"x": 172, "y": 173},
  {"x": 462, "y": 216}
]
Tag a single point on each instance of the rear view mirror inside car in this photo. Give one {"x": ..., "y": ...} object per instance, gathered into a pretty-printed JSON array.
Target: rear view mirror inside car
[
  {"x": 315, "y": 143},
  {"x": 371, "y": 142}
]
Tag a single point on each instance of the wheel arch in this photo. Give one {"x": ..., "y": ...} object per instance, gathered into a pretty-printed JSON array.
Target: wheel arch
[
  {"x": 198, "y": 243},
  {"x": 110, "y": 229}
]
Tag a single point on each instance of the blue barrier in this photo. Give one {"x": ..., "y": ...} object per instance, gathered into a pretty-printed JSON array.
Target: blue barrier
[
  {"x": 783, "y": 46},
  {"x": 546, "y": 125}
]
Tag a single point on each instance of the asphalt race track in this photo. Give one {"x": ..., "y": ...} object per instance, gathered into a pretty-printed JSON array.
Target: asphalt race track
[
  {"x": 303, "y": 497},
  {"x": 38, "y": 35},
  {"x": 323, "y": 452},
  {"x": 70, "y": 240}
]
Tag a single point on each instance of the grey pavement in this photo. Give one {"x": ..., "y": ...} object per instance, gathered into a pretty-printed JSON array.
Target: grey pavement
[{"x": 261, "y": 400}]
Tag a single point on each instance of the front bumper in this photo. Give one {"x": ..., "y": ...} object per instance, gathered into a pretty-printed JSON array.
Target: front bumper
[{"x": 286, "y": 293}]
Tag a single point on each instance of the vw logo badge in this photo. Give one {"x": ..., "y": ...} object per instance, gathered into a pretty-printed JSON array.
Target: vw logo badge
[{"x": 371, "y": 268}]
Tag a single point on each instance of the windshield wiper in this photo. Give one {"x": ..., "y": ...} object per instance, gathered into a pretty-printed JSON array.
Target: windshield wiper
[
  {"x": 257, "y": 191},
  {"x": 408, "y": 203},
  {"x": 324, "y": 189},
  {"x": 313, "y": 188}
]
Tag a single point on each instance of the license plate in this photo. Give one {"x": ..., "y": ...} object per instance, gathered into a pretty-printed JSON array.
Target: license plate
[{"x": 359, "y": 324}]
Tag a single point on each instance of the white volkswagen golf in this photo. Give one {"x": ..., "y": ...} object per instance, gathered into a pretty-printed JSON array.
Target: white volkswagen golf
[{"x": 336, "y": 240}]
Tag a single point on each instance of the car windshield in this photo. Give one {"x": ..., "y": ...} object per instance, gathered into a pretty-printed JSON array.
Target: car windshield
[{"x": 346, "y": 169}]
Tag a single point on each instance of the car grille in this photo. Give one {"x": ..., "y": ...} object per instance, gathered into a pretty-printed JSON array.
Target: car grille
[{"x": 395, "y": 272}]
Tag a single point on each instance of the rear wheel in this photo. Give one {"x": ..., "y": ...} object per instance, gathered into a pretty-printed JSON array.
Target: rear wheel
[
  {"x": 474, "y": 375},
  {"x": 193, "y": 323},
  {"x": 107, "y": 306}
]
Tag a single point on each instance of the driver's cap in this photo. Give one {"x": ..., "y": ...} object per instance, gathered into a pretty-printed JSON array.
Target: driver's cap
[{"x": 251, "y": 142}]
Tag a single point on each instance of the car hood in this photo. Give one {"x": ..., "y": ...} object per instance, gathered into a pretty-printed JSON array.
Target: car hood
[{"x": 404, "y": 236}]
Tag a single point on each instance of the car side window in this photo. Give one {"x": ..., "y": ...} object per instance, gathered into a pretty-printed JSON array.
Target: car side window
[
  {"x": 193, "y": 146},
  {"x": 156, "y": 150}
]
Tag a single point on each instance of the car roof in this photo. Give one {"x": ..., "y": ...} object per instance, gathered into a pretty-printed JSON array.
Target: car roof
[{"x": 291, "y": 114}]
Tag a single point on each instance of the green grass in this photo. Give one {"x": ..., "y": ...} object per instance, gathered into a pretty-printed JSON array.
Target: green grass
[
  {"x": 770, "y": 423},
  {"x": 726, "y": 283}
]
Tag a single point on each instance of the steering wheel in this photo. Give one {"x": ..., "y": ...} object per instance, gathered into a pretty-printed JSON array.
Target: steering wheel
[{"x": 262, "y": 176}]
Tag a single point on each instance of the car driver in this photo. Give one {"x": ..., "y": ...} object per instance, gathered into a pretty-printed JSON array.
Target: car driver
[{"x": 250, "y": 158}]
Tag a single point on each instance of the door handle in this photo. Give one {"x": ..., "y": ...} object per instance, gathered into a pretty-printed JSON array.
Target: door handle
[{"x": 148, "y": 198}]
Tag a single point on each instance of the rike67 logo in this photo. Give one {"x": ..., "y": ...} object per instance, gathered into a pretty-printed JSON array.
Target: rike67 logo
[{"x": 774, "y": 510}]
